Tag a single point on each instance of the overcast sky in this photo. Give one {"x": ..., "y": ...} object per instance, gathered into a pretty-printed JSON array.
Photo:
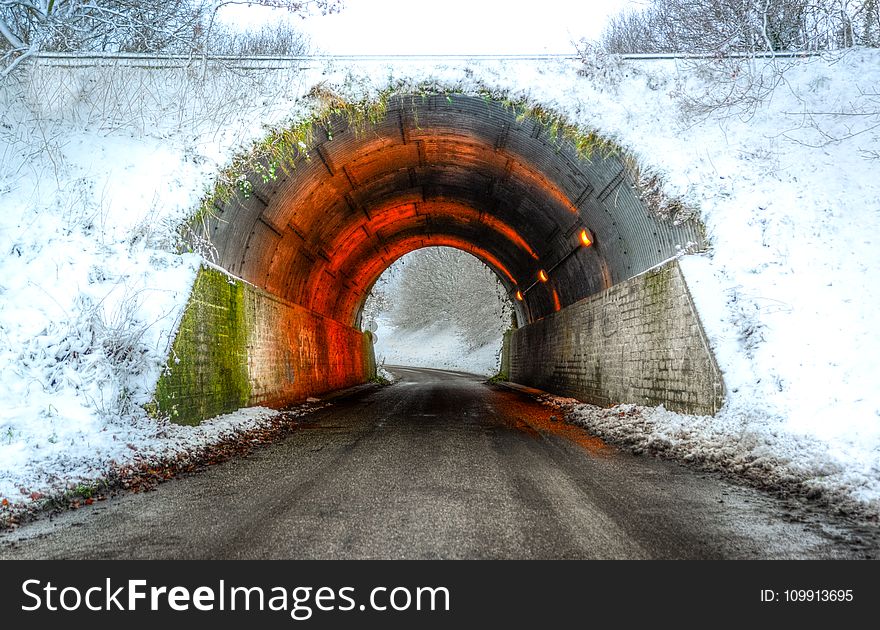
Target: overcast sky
[{"x": 376, "y": 27}]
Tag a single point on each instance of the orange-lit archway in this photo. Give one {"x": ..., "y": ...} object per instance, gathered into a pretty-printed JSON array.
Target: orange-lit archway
[
  {"x": 561, "y": 232},
  {"x": 452, "y": 170}
]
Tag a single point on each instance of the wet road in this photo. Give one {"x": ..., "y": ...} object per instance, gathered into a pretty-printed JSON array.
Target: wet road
[{"x": 439, "y": 465}]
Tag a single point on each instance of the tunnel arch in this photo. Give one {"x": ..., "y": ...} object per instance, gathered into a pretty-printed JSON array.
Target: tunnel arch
[
  {"x": 304, "y": 224},
  {"x": 318, "y": 225}
]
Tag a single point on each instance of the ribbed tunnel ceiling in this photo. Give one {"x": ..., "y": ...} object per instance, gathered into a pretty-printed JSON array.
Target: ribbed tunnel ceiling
[{"x": 455, "y": 170}]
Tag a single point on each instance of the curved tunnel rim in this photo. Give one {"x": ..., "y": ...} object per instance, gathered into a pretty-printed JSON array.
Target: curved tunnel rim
[{"x": 316, "y": 118}]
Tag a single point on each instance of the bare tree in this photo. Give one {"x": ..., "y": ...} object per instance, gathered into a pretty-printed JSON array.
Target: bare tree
[
  {"x": 735, "y": 43},
  {"x": 298, "y": 7},
  {"x": 869, "y": 22},
  {"x": 28, "y": 27},
  {"x": 722, "y": 27},
  {"x": 32, "y": 26},
  {"x": 441, "y": 286}
]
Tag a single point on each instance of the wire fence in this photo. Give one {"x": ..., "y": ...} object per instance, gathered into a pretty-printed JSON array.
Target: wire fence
[{"x": 285, "y": 62}]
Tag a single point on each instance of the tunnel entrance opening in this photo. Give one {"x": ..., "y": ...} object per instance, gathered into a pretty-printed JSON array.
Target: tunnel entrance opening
[
  {"x": 307, "y": 221},
  {"x": 439, "y": 307}
]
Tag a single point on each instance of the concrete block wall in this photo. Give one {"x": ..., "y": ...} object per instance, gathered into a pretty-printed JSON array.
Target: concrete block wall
[
  {"x": 639, "y": 341},
  {"x": 239, "y": 346}
]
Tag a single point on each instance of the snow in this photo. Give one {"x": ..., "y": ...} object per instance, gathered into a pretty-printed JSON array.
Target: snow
[
  {"x": 794, "y": 464},
  {"x": 434, "y": 347},
  {"x": 95, "y": 174},
  {"x": 383, "y": 373},
  {"x": 97, "y": 167},
  {"x": 439, "y": 307}
]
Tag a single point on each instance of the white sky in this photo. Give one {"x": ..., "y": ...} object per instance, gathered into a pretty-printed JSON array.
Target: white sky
[{"x": 376, "y": 27}]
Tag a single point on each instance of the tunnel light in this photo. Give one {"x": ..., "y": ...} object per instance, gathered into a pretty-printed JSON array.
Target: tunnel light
[
  {"x": 586, "y": 238},
  {"x": 519, "y": 296},
  {"x": 542, "y": 276}
]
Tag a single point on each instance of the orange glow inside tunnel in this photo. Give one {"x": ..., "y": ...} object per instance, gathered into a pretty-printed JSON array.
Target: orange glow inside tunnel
[
  {"x": 453, "y": 170},
  {"x": 437, "y": 147},
  {"x": 344, "y": 269},
  {"x": 586, "y": 239},
  {"x": 384, "y": 196},
  {"x": 399, "y": 216},
  {"x": 557, "y": 306},
  {"x": 369, "y": 273},
  {"x": 339, "y": 286}
]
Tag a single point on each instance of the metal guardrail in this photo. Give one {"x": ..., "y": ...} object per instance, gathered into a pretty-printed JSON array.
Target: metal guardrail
[
  {"x": 140, "y": 59},
  {"x": 296, "y": 58}
]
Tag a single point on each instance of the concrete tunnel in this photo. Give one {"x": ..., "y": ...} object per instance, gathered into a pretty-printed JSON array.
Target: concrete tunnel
[{"x": 304, "y": 246}]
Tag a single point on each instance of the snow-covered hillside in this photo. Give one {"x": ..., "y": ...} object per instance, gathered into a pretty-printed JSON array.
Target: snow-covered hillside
[{"x": 99, "y": 165}]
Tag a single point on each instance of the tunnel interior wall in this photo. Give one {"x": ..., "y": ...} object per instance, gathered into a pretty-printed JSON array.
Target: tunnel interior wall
[
  {"x": 639, "y": 341},
  {"x": 240, "y": 346}
]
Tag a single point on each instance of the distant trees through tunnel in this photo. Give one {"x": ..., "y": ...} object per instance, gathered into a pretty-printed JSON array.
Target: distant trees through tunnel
[{"x": 439, "y": 307}]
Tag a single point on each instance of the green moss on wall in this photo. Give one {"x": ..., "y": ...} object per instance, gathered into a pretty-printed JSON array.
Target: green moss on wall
[
  {"x": 239, "y": 346},
  {"x": 504, "y": 369},
  {"x": 207, "y": 371},
  {"x": 657, "y": 284},
  {"x": 369, "y": 356}
]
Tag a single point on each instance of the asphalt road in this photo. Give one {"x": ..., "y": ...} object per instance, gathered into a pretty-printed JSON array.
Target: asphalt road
[{"x": 440, "y": 465}]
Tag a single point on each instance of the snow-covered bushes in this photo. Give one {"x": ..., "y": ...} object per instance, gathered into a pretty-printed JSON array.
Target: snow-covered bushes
[
  {"x": 182, "y": 27},
  {"x": 441, "y": 285},
  {"x": 743, "y": 26},
  {"x": 99, "y": 355}
]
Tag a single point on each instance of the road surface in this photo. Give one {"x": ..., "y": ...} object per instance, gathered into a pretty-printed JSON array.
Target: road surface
[{"x": 440, "y": 465}]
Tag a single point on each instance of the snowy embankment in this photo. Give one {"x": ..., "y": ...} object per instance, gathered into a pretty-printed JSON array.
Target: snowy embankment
[
  {"x": 795, "y": 465},
  {"x": 98, "y": 167}
]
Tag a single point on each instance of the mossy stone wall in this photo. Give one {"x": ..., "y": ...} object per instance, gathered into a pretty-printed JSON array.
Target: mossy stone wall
[
  {"x": 504, "y": 368},
  {"x": 239, "y": 346}
]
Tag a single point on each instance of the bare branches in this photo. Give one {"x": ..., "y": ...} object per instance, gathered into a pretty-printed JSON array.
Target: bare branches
[
  {"x": 722, "y": 27},
  {"x": 146, "y": 26},
  {"x": 732, "y": 51},
  {"x": 10, "y": 36},
  {"x": 445, "y": 287},
  {"x": 852, "y": 120},
  {"x": 736, "y": 43}
]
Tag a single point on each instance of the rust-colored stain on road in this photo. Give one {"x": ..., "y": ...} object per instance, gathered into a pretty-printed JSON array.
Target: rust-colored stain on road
[{"x": 539, "y": 420}]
